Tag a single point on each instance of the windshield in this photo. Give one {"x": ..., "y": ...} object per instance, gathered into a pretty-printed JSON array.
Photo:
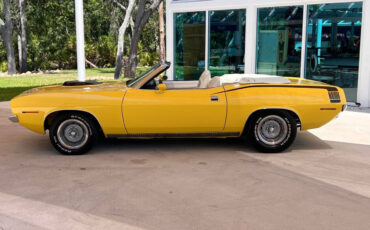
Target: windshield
[{"x": 133, "y": 82}]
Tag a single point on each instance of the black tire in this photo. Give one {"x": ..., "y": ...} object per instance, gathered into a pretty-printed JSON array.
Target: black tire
[
  {"x": 272, "y": 131},
  {"x": 72, "y": 133}
]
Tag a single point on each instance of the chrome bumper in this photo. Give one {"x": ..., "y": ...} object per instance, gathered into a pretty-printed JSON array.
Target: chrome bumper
[{"x": 13, "y": 119}]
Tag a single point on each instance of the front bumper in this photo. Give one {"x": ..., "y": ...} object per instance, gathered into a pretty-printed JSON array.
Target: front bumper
[{"x": 14, "y": 119}]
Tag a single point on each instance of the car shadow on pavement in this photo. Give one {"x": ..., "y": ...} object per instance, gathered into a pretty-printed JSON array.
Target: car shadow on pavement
[
  {"x": 172, "y": 145},
  {"x": 304, "y": 141},
  {"x": 308, "y": 141}
]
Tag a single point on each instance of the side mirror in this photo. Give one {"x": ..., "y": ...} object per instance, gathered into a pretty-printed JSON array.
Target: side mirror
[
  {"x": 162, "y": 78},
  {"x": 162, "y": 87}
]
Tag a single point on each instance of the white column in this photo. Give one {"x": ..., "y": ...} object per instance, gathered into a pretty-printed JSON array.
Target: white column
[
  {"x": 363, "y": 92},
  {"x": 250, "y": 40},
  {"x": 206, "y": 54},
  {"x": 170, "y": 48},
  {"x": 304, "y": 39},
  {"x": 80, "y": 37}
]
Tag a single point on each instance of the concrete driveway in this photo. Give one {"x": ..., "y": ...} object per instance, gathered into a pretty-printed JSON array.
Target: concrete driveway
[{"x": 322, "y": 182}]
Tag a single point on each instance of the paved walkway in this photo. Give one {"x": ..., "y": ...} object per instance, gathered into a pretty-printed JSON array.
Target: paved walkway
[{"x": 322, "y": 182}]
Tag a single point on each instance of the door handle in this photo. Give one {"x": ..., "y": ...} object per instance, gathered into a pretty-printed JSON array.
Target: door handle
[{"x": 214, "y": 98}]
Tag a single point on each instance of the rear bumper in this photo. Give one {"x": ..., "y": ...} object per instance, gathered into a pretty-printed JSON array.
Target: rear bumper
[{"x": 14, "y": 119}]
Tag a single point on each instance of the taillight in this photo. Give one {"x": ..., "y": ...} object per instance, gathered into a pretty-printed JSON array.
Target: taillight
[{"x": 334, "y": 96}]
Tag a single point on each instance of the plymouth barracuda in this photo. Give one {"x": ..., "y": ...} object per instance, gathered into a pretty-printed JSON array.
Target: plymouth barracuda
[{"x": 267, "y": 110}]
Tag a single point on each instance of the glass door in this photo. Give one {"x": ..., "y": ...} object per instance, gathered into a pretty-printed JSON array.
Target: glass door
[
  {"x": 190, "y": 36},
  {"x": 279, "y": 40},
  {"x": 226, "y": 41}
]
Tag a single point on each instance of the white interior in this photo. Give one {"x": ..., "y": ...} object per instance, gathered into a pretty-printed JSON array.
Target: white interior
[
  {"x": 246, "y": 79},
  {"x": 252, "y": 78},
  {"x": 204, "y": 79},
  {"x": 207, "y": 82},
  {"x": 181, "y": 84}
]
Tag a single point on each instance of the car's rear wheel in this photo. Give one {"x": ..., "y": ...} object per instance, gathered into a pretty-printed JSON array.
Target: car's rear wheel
[
  {"x": 272, "y": 132},
  {"x": 72, "y": 134}
]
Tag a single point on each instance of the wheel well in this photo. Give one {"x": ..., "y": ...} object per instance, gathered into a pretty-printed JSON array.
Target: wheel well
[
  {"x": 255, "y": 113},
  {"x": 50, "y": 118}
]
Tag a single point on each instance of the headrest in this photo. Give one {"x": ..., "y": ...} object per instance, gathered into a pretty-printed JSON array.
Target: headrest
[
  {"x": 214, "y": 82},
  {"x": 204, "y": 79}
]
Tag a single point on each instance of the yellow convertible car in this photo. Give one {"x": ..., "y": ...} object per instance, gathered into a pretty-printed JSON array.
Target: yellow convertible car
[{"x": 268, "y": 110}]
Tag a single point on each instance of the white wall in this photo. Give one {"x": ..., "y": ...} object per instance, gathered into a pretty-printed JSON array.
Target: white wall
[
  {"x": 363, "y": 93},
  {"x": 175, "y": 6}
]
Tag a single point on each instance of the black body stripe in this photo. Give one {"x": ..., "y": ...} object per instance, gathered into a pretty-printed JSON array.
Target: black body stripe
[{"x": 329, "y": 88}]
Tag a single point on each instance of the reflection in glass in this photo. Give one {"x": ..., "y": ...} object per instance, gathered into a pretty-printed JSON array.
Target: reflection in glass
[
  {"x": 333, "y": 45},
  {"x": 226, "y": 41},
  {"x": 189, "y": 45},
  {"x": 279, "y": 40}
]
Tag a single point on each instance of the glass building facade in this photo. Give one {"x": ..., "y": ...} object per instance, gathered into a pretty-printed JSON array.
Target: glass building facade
[
  {"x": 314, "y": 41},
  {"x": 333, "y": 45}
]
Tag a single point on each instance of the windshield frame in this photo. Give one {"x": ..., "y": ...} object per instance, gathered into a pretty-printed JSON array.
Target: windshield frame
[{"x": 155, "y": 71}]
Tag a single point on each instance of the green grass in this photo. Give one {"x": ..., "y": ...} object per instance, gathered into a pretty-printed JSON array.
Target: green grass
[{"x": 13, "y": 85}]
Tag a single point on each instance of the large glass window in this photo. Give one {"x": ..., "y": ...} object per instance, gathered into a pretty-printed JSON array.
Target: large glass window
[
  {"x": 333, "y": 45},
  {"x": 226, "y": 41},
  {"x": 190, "y": 31},
  {"x": 279, "y": 40}
]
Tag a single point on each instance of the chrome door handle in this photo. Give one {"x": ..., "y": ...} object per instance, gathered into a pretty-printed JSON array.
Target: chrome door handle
[{"x": 214, "y": 98}]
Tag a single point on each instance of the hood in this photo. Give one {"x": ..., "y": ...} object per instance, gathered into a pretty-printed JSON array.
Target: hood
[{"x": 103, "y": 87}]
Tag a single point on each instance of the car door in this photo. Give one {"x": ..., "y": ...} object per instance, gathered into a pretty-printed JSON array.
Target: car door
[{"x": 175, "y": 111}]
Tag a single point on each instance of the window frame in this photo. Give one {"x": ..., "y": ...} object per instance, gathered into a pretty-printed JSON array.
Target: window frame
[
  {"x": 173, "y": 58},
  {"x": 303, "y": 42},
  {"x": 207, "y": 28}
]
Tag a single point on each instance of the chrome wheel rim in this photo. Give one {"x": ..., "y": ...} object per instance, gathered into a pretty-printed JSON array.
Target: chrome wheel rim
[
  {"x": 72, "y": 134},
  {"x": 272, "y": 130}
]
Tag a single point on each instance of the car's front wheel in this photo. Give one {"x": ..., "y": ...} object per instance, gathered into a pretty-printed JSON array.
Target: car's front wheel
[
  {"x": 272, "y": 131},
  {"x": 72, "y": 134}
]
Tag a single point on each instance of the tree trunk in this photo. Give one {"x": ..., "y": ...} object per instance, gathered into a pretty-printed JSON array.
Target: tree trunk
[
  {"x": 162, "y": 46},
  {"x": 22, "y": 12},
  {"x": 131, "y": 64},
  {"x": 121, "y": 40},
  {"x": 19, "y": 40},
  {"x": 112, "y": 20},
  {"x": 7, "y": 34},
  {"x": 141, "y": 19},
  {"x": 92, "y": 65}
]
